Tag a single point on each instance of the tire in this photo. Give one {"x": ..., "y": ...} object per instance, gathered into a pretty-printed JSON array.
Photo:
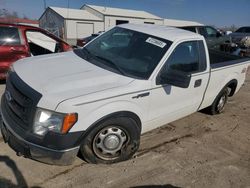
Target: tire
[
  {"x": 113, "y": 140},
  {"x": 219, "y": 103}
]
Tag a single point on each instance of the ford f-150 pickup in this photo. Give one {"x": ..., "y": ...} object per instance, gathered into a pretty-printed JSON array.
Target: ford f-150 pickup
[{"x": 98, "y": 100}]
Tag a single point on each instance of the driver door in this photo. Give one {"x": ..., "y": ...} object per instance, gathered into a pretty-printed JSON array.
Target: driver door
[{"x": 168, "y": 102}]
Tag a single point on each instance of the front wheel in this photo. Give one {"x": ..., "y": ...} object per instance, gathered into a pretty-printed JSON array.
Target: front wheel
[{"x": 111, "y": 141}]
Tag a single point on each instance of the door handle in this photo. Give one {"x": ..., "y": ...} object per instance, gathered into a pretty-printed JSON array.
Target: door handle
[
  {"x": 197, "y": 83},
  {"x": 141, "y": 95}
]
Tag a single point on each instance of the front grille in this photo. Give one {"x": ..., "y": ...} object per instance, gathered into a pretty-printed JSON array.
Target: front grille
[{"x": 20, "y": 101}]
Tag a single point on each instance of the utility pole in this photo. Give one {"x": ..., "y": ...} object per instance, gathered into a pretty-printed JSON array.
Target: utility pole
[
  {"x": 45, "y": 6},
  {"x": 68, "y": 10},
  {"x": 105, "y": 3}
]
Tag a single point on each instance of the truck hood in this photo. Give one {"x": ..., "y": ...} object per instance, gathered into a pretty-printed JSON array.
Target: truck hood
[{"x": 65, "y": 76}]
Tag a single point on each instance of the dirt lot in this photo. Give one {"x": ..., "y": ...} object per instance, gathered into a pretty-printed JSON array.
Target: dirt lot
[{"x": 196, "y": 151}]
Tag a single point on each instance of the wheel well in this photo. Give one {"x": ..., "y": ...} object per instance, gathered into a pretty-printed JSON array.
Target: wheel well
[
  {"x": 232, "y": 85},
  {"x": 119, "y": 114}
]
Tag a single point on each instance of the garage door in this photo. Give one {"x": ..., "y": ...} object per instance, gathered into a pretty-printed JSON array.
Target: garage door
[{"x": 84, "y": 29}]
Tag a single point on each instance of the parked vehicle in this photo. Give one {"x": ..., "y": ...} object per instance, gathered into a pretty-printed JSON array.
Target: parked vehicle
[
  {"x": 214, "y": 38},
  {"x": 86, "y": 40},
  {"x": 222, "y": 42},
  {"x": 20, "y": 41},
  {"x": 241, "y": 37},
  {"x": 239, "y": 42},
  {"x": 228, "y": 32},
  {"x": 98, "y": 100}
]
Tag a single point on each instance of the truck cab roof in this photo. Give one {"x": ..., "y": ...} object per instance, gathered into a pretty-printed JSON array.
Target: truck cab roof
[{"x": 166, "y": 32}]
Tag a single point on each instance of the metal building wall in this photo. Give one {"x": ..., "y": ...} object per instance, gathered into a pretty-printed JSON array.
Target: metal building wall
[
  {"x": 53, "y": 22},
  {"x": 75, "y": 29},
  {"x": 110, "y": 21}
]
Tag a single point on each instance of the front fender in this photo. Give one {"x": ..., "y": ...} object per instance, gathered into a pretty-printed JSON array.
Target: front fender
[{"x": 90, "y": 113}]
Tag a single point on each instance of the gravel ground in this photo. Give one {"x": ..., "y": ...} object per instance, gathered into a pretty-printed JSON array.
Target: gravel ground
[{"x": 197, "y": 151}]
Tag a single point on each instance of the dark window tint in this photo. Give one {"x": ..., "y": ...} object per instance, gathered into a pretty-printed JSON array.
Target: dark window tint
[
  {"x": 118, "y": 22},
  {"x": 203, "y": 32},
  {"x": 240, "y": 30},
  {"x": 211, "y": 32},
  {"x": 248, "y": 30},
  {"x": 149, "y": 22},
  {"x": 243, "y": 30},
  {"x": 185, "y": 58},
  {"x": 134, "y": 53},
  {"x": 9, "y": 36},
  {"x": 192, "y": 29},
  {"x": 202, "y": 53}
]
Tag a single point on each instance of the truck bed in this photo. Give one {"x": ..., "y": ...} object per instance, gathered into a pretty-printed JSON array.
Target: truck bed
[
  {"x": 224, "y": 67},
  {"x": 217, "y": 57}
]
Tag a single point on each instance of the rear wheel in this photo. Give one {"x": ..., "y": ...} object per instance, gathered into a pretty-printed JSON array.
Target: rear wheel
[
  {"x": 113, "y": 140},
  {"x": 219, "y": 103}
]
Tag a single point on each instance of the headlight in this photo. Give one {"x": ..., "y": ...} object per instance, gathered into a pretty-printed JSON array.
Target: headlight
[{"x": 46, "y": 120}]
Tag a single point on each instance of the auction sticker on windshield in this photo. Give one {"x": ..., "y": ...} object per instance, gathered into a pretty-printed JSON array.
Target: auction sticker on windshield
[{"x": 156, "y": 42}]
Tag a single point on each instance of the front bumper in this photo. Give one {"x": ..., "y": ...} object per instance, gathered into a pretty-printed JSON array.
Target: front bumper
[
  {"x": 17, "y": 113},
  {"x": 36, "y": 152}
]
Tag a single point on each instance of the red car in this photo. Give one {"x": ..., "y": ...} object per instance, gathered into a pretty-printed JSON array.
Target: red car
[{"x": 20, "y": 41}]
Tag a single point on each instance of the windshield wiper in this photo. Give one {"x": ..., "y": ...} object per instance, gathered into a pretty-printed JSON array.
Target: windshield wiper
[
  {"x": 89, "y": 54},
  {"x": 111, "y": 63}
]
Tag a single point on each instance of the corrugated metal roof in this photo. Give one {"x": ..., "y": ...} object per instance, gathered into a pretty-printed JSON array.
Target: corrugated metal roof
[
  {"x": 123, "y": 12},
  {"x": 180, "y": 23},
  {"x": 75, "y": 14}
]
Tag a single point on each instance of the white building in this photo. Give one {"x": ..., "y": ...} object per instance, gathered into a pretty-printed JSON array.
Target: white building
[
  {"x": 71, "y": 24},
  {"x": 116, "y": 16}
]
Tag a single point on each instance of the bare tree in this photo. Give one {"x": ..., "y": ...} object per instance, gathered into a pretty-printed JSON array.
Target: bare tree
[
  {"x": 8, "y": 14},
  {"x": 5, "y": 13},
  {"x": 14, "y": 14},
  {"x": 230, "y": 28},
  {"x": 25, "y": 17}
]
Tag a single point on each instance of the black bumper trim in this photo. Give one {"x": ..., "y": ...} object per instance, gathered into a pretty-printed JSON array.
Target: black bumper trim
[
  {"x": 54, "y": 141},
  {"x": 36, "y": 152}
]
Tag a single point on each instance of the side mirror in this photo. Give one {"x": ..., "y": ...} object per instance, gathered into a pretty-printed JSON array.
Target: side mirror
[{"x": 175, "y": 78}]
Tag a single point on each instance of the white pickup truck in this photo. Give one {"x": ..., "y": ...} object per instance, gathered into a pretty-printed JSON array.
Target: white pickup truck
[{"x": 98, "y": 100}]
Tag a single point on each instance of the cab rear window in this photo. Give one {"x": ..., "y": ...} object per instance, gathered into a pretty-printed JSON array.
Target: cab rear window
[
  {"x": 192, "y": 29},
  {"x": 9, "y": 36}
]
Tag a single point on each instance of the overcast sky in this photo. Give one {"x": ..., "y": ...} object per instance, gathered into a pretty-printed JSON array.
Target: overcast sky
[{"x": 212, "y": 12}]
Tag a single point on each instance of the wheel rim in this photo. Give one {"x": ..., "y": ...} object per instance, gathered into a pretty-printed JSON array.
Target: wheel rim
[
  {"x": 109, "y": 142},
  {"x": 221, "y": 103}
]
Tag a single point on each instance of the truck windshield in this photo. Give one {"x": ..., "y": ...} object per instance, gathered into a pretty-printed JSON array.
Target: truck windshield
[{"x": 126, "y": 52}]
